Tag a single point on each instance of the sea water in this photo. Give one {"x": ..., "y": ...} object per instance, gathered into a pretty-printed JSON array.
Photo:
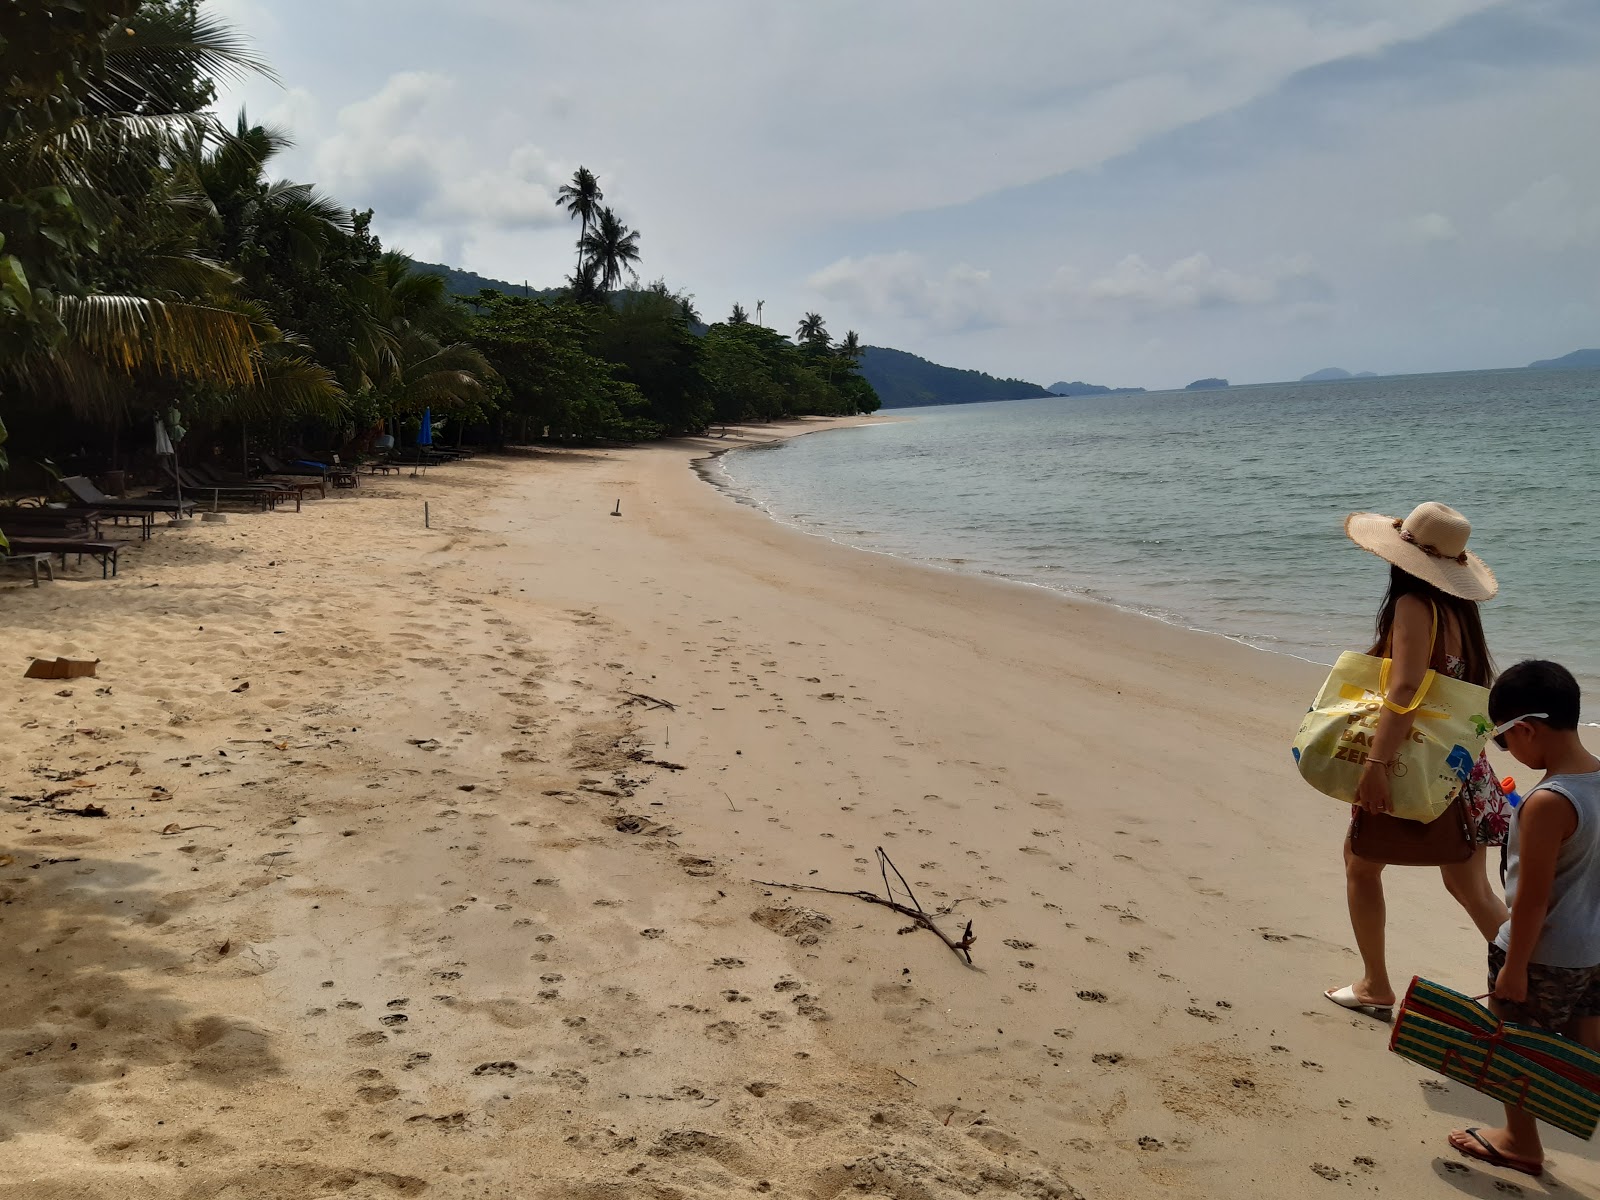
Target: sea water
[{"x": 1223, "y": 511}]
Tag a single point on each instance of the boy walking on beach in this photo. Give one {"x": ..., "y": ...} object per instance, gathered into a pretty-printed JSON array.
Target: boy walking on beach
[{"x": 1544, "y": 966}]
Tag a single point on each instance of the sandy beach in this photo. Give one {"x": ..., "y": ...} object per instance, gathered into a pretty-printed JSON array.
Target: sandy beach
[{"x": 428, "y": 860}]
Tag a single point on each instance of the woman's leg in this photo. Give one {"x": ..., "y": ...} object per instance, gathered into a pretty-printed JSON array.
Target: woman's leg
[
  {"x": 1469, "y": 883},
  {"x": 1364, "y": 892}
]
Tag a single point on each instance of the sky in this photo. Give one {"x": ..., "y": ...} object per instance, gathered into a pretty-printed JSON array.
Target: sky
[{"x": 1140, "y": 193}]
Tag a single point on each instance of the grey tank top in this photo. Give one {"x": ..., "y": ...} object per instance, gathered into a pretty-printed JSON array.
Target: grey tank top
[{"x": 1571, "y": 935}]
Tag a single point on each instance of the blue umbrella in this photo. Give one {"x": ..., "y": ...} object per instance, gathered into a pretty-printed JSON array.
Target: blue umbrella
[{"x": 425, "y": 434}]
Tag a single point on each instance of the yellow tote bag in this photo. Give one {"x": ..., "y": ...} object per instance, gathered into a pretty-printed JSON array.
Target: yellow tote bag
[{"x": 1446, "y": 739}]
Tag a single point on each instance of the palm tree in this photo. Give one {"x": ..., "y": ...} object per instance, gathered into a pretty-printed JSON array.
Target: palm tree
[
  {"x": 419, "y": 360},
  {"x": 850, "y": 348},
  {"x": 738, "y": 316},
  {"x": 581, "y": 198},
  {"x": 811, "y": 330},
  {"x": 104, "y": 279},
  {"x": 612, "y": 249}
]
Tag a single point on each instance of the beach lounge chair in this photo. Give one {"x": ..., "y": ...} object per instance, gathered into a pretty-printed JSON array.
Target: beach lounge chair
[
  {"x": 261, "y": 497},
  {"x": 85, "y": 490},
  {"x": 339, "y": 476},
  {"x": 104, "y": 553},
  {"x": 33, "y": 560},
  {"x": 216, "y": 477}
]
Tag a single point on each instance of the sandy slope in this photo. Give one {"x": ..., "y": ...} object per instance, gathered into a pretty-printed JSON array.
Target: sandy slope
[{"x": 425, "y": 911}]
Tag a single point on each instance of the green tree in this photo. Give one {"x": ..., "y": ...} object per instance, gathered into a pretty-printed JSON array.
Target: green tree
[
  {"x": 811, "y": 331},
  {"x": 100, "y": 280},
  {"x": 581, "y": 198},
  {"x": 649, "y": 337},
  {"x": 611, "y": 249},
  {"x": 738, "y": 316},
  {"x": 545, "y": 378}
]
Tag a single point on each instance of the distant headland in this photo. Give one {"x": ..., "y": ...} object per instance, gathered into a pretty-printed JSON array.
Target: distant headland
[
  {"x": 1078, "y": 388},
  {"x": 1576, "y": 361},
  {"x": 1207, "y": 385}
]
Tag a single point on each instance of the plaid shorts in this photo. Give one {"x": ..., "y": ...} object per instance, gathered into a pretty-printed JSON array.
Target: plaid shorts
[{"x": 1557, "y": 996}]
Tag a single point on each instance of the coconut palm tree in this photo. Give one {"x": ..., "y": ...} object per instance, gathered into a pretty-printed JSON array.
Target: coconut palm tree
[
  {"x": 850, "y": 348},
  {"x": 100, "y": 276},
  {"x": 811, "y": 330},
  {"x": 419, "y": 360},
  {"x": 612, "y": 249},
  {"x": 581, "y": 198},
  {"x": 738, "y": 316}
]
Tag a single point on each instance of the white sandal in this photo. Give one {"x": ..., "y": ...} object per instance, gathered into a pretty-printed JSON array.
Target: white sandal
[{"x": 1346, "y": 997}]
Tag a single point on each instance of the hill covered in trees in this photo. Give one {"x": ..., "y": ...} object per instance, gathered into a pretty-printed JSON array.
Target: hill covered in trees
[
  {"x": 904, "y": 380},
  {"x": 463, "y": 283},
  {"x": 1576, "y": 361}
]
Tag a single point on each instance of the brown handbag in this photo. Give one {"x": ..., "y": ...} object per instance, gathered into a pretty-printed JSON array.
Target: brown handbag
[{"x": 1396, "y": 842}]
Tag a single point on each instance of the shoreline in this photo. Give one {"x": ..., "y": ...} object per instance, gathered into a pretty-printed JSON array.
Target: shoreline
[
  {"x": 1172, "y": 621},
  {"x": 1276, "y": 645},
  {"x": 458, "y": 897}
]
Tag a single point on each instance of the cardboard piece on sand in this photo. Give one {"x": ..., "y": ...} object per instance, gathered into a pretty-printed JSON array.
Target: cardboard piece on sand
[{"x": 61, "y": 668}]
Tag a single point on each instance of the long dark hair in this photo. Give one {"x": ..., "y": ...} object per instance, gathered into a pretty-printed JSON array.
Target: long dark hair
[{"x": 1474, "y": 650}]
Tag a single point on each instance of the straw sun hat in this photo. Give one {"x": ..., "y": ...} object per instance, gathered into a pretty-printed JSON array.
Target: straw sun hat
[{"x": 1431, "y": 544}]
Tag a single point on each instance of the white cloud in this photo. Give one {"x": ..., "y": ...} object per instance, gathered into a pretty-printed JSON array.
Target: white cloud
[
  {"x": 1432, "y": 227},
  {"x": 395, "y": 151},
  {"x": 1552, "y": 215},
  {"x": 903, "y": 287},
  {"x": 752, "y": 143},
  {"x": 1135, "y": 286}
]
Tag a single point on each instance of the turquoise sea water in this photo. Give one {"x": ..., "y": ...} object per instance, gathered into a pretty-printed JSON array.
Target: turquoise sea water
[{"x": 1223, "y": 511}]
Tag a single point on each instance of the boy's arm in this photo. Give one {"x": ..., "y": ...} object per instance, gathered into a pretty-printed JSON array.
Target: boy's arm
[{"x": 1545, "y": 820}]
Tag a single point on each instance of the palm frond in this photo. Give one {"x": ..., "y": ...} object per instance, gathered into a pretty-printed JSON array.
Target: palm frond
[
  {"x": 194, "y": 341},
  {"x": 157, "y": 43}
]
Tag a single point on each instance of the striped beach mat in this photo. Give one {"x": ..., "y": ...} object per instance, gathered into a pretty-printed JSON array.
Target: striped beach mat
[{"x": 1548, "y": 1076}]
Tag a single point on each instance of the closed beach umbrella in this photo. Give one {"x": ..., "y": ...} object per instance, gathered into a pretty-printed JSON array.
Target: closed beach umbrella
[
  {"x": 163, "y": 441},
  {"x": 425, "y": 434}
]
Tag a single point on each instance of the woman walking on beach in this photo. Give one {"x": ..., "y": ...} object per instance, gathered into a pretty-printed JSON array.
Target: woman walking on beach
[{"x": 1432, "y": 577}]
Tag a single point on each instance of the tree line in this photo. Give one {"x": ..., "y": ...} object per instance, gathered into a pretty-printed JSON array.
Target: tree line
[{"x": 151, "y": 260}]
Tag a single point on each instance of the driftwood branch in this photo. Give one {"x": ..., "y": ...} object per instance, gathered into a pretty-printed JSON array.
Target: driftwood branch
[
  {"x": 914, "y": 910},
  {"x": 650, "y": 701}
]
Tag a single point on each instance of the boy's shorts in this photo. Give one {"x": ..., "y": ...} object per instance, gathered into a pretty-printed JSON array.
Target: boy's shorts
[{"x": 1557, "y": 996}]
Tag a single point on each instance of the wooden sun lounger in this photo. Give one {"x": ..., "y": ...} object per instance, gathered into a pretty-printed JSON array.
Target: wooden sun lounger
[
  {"x": 105, "y": 553},
  {"x": 338, "y": 475},
  {"x": 266, "y": 495},
  {"x": 212, "y": 477},
  {"x": 86, "y": 492}
]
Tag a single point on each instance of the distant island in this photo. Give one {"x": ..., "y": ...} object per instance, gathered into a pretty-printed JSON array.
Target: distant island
[
  {"x": 1332, "y": 374},
  {"x": 1576, "y": 361},
  {"x": 903, "y": 380},
  {"x": 1206, "y": 385},
  {"x": 1078, "y": 388}
]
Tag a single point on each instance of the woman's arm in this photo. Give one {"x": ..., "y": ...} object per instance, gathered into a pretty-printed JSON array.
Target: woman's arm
[{"x": 1410, "y": 644}]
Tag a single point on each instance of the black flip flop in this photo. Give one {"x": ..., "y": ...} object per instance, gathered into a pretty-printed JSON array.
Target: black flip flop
[{"x": 1496, "y": 1159}]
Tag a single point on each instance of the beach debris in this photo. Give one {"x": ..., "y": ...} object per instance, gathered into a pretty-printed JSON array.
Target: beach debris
[
  {"x": 243, "y": 687},
  {"x": 88, "y": 810},
  {"x": 423, "y": 743},
  {"x": 649, "y": 701},
  {"x": 643, "y": 756},
  {"x": 61, "y": 668},
  {"x": 914, "y": 910},
  {"x": 617, "y": 511}
]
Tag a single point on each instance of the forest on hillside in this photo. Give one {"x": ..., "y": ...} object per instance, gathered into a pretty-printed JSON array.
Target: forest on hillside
[{"x": 904, "y": 380}]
